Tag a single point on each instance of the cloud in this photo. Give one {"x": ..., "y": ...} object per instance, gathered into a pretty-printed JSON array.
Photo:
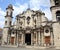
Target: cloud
[
  {"x": 19, "y": 8},
  {"x": 35, "y": 5},
  {"x": 48, "y": 14},
  {"x": 2, "y": 14},
  {"x": 43, "y": 5}
]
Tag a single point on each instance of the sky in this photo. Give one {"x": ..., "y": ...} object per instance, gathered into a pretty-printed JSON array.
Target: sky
[{"x": 21, "y": 5}]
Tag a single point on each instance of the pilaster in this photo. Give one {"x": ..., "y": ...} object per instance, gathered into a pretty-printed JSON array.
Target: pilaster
[
  {"x": 22, "y": 38},
  {"x": 52, "y": 39},
  {"x": 42, "y": 38},
  {"x": 31, "y": 39},
  {"x": 38, "y": 38},
  {"x": 17, "y": 40}
]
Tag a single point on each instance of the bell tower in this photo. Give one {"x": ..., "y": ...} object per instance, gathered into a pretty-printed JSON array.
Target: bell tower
[
  {"x": 55, "y": 10},
  {"x": 8, "y": 17},
  {"x": 8, "y": 23}
]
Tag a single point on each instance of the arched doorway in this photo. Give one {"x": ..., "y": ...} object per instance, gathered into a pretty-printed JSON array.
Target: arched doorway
[
  {"x": 47, "y": 40},
  {"x": 47, "y": 35},
  {"x": 12, "y": 40}
]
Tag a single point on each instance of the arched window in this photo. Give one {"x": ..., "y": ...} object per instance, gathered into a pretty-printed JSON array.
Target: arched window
[
  {"x": 56, "y": 2},
  {"x": 10, "y": 22},
  {"x": 28, "y": 20},
  {"x": 11, "y": 14},
  {"x": 5, "y": 22},
  {"x": 7, "y": 13},
  {"x": 58, "y": 15}
]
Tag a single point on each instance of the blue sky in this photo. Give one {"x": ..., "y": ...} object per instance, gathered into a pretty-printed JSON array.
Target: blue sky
[{"x": 21, "y": 5}]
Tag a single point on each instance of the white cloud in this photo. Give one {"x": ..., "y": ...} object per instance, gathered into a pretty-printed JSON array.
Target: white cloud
[
  {"x": 34, "y": 4},
  {"x": 19, "y": 8},
  {"x": 43, "y": 5},
  {"x": 37, "y": 3},
  {"x": 2, "y": 14},
  {"x": 48, "y": 14}
]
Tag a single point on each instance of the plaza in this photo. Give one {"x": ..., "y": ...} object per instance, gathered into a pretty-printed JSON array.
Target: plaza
[{"x": 26, "y": 48}]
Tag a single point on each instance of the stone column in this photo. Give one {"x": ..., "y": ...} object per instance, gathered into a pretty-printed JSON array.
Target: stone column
[
  {"x": 32, "y": 39},
  {"x": 8, "y": 39},
  {"x": 52, "y": 39},
  {"x": 17, "y": 40},
  {"x": 38, "y": 38},
  {"x": 42, "y": 39},
  {"x": 22, "y": 38}
]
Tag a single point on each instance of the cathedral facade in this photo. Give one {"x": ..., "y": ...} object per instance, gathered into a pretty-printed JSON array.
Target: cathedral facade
[{"x": 32, "y": 27}]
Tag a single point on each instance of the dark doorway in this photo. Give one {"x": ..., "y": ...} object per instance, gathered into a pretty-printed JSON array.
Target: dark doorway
[{"x": 28, "y": 39}]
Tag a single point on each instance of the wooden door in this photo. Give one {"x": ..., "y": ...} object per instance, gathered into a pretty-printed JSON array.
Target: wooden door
[
  {"x": 47, "y": 40},
  {"x": 12, "y": 40}
]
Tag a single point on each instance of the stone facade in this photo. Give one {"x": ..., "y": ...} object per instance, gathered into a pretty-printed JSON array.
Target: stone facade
[
  {"x": 1, "y": 30},
  {"x": 32, "y": 28},
  {"x": 55, "y": 9}
]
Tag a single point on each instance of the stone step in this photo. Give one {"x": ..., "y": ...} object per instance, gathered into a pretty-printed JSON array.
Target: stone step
[{"x": 9, "y": 45}]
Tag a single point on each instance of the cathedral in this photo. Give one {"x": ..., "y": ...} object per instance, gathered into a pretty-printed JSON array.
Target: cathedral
[{"x": 32, "y": 27}]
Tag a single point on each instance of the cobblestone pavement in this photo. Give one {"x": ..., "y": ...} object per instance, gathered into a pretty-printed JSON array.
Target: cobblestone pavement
[{"x": 19, "y": 48}]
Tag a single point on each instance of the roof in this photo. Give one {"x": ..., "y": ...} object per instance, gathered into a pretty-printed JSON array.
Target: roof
[
  {"x": 34, "y": 11},
  {"x": 10, "y": 6}
]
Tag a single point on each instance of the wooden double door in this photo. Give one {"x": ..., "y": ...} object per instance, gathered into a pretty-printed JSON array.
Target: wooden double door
[
  {"x": 12, "y": 40},
  {"x": 47, "y": 40}
]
